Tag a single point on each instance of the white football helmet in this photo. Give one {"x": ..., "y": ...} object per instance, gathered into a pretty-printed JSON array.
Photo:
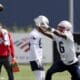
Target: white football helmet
[
  {"x": 66, "y": 24},
  {"x": 41, "y": 21}
]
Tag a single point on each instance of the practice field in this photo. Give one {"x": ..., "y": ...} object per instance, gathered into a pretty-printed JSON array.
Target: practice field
[{"x": 26, "y": 74}]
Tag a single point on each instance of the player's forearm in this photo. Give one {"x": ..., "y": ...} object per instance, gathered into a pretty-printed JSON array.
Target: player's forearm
[
  {"x": 60, "y": 34},
  {"x": 12, "y": 51},
  {"x": 46, "y": 32}
]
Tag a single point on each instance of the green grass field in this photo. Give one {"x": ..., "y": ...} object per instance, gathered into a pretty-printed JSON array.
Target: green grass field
[{"x": 26, "y": 74}]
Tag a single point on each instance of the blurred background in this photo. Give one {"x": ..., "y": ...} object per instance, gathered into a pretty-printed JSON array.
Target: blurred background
[{"x": 18, "y": 15}]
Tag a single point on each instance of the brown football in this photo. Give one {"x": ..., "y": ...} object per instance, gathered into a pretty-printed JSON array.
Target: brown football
[{"x": 1, "y": 7}]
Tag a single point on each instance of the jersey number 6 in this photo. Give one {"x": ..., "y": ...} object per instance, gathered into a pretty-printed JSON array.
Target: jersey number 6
[{"x": 61, "y": 47}]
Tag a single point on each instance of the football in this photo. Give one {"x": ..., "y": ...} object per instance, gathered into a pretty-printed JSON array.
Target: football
[{"x": 1, "y": 7}]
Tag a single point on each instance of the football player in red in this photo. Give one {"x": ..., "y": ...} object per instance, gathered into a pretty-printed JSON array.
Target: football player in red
[{"x": 6, "y": 50}]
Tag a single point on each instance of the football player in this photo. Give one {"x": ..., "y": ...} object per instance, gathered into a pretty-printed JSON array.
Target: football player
[
  {"x": 6, "y": 50},
  {"x": 65, "y": 46},
  {"x": 35, "y": 44}
]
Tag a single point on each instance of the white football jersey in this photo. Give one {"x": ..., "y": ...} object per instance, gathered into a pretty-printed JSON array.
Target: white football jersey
[
  {"x": 66, "y": 48},
  {"x": 35, "y": 52}
]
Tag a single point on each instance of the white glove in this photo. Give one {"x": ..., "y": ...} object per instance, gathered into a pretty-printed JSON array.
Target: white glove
[
  {"x": 52, "y": 30},
  {"x": 39, "y": 62}
]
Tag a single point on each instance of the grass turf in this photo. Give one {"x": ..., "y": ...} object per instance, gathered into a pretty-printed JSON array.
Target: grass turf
[{"x": 26, "y": 74}]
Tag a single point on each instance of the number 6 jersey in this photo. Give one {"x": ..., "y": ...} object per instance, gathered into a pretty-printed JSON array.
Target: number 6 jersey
[{"x": 66, "y": 48}]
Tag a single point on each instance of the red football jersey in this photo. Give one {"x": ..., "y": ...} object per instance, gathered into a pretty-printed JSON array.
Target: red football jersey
[{"x": 6, "y": 50}]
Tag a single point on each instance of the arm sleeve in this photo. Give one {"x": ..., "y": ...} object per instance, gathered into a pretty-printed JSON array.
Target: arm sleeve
[
  {"x": 69, "y": 35},
  {"x": 5, "y": 37},
  {"x": 58, "y": 33},
  {"x": 11, "y": 45}
]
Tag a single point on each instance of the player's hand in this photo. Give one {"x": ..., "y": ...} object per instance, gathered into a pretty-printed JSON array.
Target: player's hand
[
  {"x": 39, "y": 62},
  {"x": 13, "y": 59},
  {"x": 14, "y": 64}
]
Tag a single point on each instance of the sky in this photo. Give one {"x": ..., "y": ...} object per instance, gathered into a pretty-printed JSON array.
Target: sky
[{"x": 22, "y": 12}]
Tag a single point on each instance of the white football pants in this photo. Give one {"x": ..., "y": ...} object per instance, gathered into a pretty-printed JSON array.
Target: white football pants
[{"x": 40, "y": 75}]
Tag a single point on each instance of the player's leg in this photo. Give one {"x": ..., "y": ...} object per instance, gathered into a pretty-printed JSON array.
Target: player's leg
[
  {"x": 75, "y": 71},
  {"x": 8, "y": 68},
  {"x": 0, "y": 64},
  {"x": 56, "y": 67},
  {"x": 0, "y": 67},
  {"x": 40, "y": 75},
  {"x": 38, "y": 70}
]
